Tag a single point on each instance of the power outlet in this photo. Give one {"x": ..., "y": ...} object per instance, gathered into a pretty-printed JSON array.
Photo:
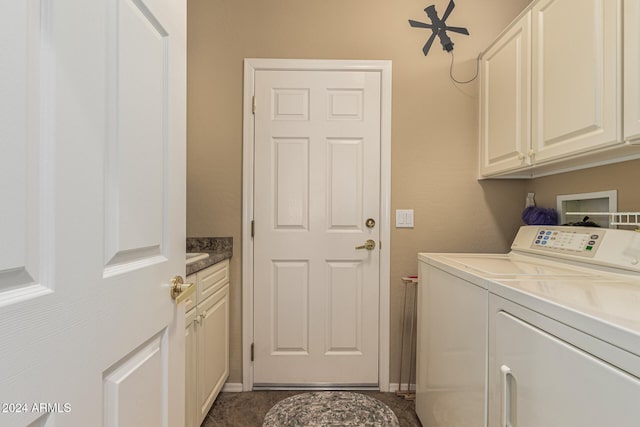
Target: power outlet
[{"x": 404, "y": 218}]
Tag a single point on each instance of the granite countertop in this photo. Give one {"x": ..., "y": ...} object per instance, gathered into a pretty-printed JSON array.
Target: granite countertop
[{"x": 218, "y": 248}]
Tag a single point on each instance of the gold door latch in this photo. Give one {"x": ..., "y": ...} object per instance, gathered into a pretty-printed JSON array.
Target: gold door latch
[
  {"x": 368, "y": 245},
  {"x": 180, "y": 291}
]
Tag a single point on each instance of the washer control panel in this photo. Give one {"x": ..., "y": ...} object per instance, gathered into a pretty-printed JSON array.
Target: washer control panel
[
  {"x": 612, "y": 248},
  {"x": 578, "y": 242}
]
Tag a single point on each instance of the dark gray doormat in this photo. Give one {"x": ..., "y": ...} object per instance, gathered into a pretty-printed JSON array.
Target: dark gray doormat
[{"x": 330, "y": 408}]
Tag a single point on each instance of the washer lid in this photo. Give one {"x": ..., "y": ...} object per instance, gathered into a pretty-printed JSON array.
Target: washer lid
[
  {"x": 505, "y": 266},
  {"x": 603, "y": 307}
]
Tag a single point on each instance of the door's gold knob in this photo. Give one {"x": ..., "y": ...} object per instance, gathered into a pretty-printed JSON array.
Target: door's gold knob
[
  {"x": 368, "y": 245},
  {"x": 180, "y": 291}
]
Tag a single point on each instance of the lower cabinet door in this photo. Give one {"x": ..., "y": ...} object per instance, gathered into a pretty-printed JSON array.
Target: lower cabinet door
[
  {"x": 213, "y": 348},
  {"x": 191, "y": 409},
  {"x": 540, "y": 380}
]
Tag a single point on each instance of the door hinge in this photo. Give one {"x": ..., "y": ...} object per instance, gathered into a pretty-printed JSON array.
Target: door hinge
[
  {"x": 253, "y": 228},
  {"x": 253, "y": 104},
  {"x": 252, "y": 352}
]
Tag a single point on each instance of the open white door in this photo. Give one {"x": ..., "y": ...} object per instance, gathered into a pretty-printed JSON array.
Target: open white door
[{"x": 92, "y": 179}]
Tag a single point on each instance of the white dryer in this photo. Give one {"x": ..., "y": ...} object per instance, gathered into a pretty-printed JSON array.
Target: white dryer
[{"x": 488, "y": 325}]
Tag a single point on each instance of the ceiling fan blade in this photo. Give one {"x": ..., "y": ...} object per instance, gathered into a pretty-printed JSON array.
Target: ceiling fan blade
[
  {"x": 419, "y": 24},
  {"x": 459, "y": 30},
  {"x": 428, "y": 44},
  {"x": 448, "y": 11},
  {"x": 432, "y": 14}
]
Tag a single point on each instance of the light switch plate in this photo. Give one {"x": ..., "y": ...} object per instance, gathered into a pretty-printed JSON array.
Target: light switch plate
[{"x": 404, "y": 218}]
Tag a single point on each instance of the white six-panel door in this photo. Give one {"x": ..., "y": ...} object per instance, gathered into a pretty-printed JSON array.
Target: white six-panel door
[
  {"x": 317, "y": 181},
  {"x": 92, "y": 134}
]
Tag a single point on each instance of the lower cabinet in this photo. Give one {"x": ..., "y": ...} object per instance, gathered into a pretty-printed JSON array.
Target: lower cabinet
[
  {"x": 207, "y": 346},
  {"x": 191, "y": 405}
]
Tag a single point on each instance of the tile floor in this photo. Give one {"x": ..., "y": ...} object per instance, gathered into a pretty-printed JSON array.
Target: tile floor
[{"x": 249, "y": 408}]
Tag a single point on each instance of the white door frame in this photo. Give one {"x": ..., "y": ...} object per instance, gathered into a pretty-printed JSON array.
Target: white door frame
[{"x": 250, "y": 68}]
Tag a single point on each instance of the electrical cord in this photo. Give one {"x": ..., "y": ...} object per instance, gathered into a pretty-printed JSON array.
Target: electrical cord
[{"x": 467, "y": 81}]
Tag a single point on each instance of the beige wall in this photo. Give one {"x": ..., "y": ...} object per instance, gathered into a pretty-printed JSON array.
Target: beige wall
[
  {"x": 623, "y": 177},
  {"x": 434, "y": 128}
]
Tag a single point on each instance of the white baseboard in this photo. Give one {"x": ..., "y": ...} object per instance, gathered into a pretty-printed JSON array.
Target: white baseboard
[
  {"x": 393, "y": 387},
  {"x": 237, "y": 387},
  {"x": 232, "y": 388}
]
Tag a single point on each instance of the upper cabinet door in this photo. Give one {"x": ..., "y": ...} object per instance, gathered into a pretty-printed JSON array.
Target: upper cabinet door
[
  {"x": 505, "y": 101},
  {"x": 631, "y": 70},
  {"x": 576, "y": 76}
]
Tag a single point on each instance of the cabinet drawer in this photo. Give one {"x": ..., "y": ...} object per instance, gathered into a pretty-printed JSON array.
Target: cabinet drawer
[{"x": 212, "y": 278}]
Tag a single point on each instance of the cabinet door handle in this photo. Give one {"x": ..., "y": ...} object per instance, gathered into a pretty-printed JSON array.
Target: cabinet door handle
[
  {"x": 202, "y": 316},
  {"x": 507, "y": 412}
]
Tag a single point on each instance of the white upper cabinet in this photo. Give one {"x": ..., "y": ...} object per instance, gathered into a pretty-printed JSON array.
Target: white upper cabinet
[
  {"x": 553, "y": 102},
  {"x": 505, "y": 106},
  {"x": 576, "y": 76},
  {"x": 631, "y": 70}
]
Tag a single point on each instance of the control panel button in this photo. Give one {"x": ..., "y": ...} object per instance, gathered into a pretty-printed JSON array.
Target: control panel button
[{"x": 575, "y": 241}]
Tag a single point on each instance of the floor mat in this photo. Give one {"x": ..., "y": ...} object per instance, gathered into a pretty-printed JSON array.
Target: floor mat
[{"x": 330, "y": 408}]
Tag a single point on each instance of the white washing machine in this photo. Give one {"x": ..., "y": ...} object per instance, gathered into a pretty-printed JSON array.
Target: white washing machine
[{"x": 547, "y": 335}]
